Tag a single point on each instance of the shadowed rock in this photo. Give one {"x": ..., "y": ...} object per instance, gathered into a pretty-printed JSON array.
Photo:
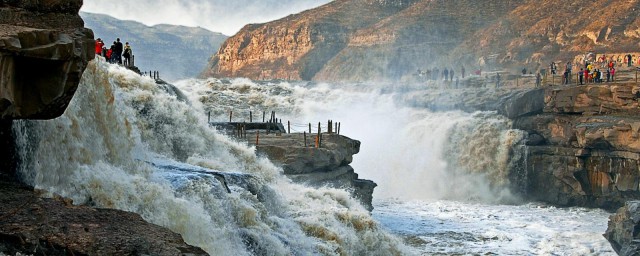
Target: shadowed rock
[{"x": 44, "y": 48}]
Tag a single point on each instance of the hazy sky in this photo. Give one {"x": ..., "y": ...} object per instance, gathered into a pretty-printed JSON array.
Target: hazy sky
[{"x": 226, "y": 16}]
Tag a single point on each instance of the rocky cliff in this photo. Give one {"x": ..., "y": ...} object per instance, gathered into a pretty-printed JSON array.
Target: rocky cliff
[
  {"x": 364, "y": 40},
  {"x": 44, "y": 48},
  {"x": 585, "y": 148},
  {"x": 319, "y": 167}
]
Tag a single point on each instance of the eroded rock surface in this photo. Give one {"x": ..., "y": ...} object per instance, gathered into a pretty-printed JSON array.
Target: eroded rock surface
[
  {"x": 30, "y": 225},
  {"x": 585, "y": 149},
  {"x": 624, "y": 229},
  {"x": 44, "y": 48},
  {"x": 324, "y": 166},
  {"x": 364, "y": 40}
]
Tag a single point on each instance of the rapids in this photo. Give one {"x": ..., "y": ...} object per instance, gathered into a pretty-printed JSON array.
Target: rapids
[
  {"x": 443, "y": 177},
  {"x": 444, "y": 187},
  {"x": 125, "y": 143}
]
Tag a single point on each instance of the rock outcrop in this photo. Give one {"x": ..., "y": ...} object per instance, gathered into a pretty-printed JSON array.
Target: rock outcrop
[
  {"x": 30, "y": 224},
  {"x": 319, "y": 167},
  {"x": 623, "y": 231},
  {"x": 585, "y": 148},
  {"x": 364, "y": 40},
  {"x": 44, "y": 48}
]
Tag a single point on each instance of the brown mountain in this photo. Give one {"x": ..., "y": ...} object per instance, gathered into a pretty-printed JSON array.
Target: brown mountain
[{"x": 387, "y": 40}]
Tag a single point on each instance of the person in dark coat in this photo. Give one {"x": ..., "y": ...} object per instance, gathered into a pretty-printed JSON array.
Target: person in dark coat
[{"x": 118, "y": 51}]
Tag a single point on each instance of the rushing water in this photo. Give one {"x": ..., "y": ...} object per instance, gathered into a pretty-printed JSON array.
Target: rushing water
[
  {"x": 126, "y": 143},
  {"x": 442, "y": 176}
]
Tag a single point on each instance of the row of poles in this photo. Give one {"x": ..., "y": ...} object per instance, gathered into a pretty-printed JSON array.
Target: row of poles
[
  {"x": 241, "y": 129},
  {"x": 152, "y": 74}
]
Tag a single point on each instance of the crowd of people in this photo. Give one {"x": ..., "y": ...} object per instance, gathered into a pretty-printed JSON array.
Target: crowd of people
[
  {"x": 117, "y": 53},
  {"x": 596, "y": 70}
]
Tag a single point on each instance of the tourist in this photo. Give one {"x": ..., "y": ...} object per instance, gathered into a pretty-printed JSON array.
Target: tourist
[
  {"x": 524, "y": 71},
  {"x": 445, "y": 73},
  {"x": 565, "y": 76},
  {"x": 99, "y": 45},
  {"x": 629, "y": 60},
  {"x": 451, "y": 75},
  {"x": 118, "y": 51},
  {"x": 613, "y": 74},
  {"x": 128, "y": 53},
  {"x": 463, "y": 70},
  {"x": 581, "y": 75},
  {"x": 538, "y": 79},
  {"x": 586, "y": 76}
]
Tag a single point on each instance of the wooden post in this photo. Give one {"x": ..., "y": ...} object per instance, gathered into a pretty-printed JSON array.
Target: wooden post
[
  {"x": 288, "y": 126},
  {"x": 309, "y": 128},
  {"x": 250, "y": 117},
  {"x": 257, "y": 137},
  {"x": 133, "y": 61},
  {"x": 230, "y": 116},
  {"x": 319, "y": 143},
  {"x": 329, "y": 126},
  {"x": 263, "y": 115},
  {"x": 339, "y": 128},
  {"x": 268, "y": 127},
  {"x": 305, "y": 138},
  {"x": 209, "y": 118}
]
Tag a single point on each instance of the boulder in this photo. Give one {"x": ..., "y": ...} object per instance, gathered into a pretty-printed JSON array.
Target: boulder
[
  {"x": 623, "y": 231},
  {"x": 44, "y": 48}
]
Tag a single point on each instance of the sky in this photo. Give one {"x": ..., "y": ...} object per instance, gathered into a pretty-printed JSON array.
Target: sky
[{"x": 225, "y": 16}]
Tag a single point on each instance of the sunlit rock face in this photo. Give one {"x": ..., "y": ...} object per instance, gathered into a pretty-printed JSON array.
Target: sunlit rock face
[
  {"x": 387, "y": 40},
  {"x": 44, "y": 48}
]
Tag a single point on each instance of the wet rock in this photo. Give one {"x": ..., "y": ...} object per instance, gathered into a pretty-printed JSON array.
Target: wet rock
[
  {"x": 33, "y": 225},
  {"x": 624, "y": 229},
  {"x": 44, "y": 48},
  {"x": 318, "y": 167}
]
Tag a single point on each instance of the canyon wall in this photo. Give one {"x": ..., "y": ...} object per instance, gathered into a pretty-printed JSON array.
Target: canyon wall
[{"x": 364, "y": 40}]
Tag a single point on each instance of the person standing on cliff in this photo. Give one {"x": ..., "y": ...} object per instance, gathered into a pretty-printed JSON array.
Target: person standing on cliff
[
  {"x": 462, "y": 70},
  {"x": 581, "y": 75},
  {"x": 497, "y": 80},
  {"x": 127, "y": 54},
  {"x": 538, "y": 79},
  {"x": 118, "y": 51},
  {"x": 451, "y": 75},
  {"x": 613, "y": 74},
  {"x": 99, "y": 45},
  {"x": 629, "y": 60},
  {"x": 445, "y": 74}
]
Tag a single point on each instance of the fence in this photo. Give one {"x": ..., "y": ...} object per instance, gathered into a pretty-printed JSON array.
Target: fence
[{"x": 275, "y": 126}]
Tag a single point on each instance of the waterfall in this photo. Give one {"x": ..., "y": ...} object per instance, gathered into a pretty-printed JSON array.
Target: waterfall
[
  {"x": 124, "y": 143},
  {"x": 411, "y": 153}
]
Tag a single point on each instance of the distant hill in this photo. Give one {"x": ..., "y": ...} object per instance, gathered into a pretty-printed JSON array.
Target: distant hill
[
  {"x": 178, "y": 52},
  {"x": 389, "y": 40}
]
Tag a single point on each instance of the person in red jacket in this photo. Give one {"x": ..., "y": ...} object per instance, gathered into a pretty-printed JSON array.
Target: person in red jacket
[{"x": 99, "y": 45}]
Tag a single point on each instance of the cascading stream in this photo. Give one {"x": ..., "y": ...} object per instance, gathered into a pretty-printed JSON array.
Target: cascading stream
[{"x": 123, "y": 143}]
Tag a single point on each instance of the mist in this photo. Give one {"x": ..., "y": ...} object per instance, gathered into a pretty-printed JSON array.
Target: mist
[{"x": 222, "y": 16}]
